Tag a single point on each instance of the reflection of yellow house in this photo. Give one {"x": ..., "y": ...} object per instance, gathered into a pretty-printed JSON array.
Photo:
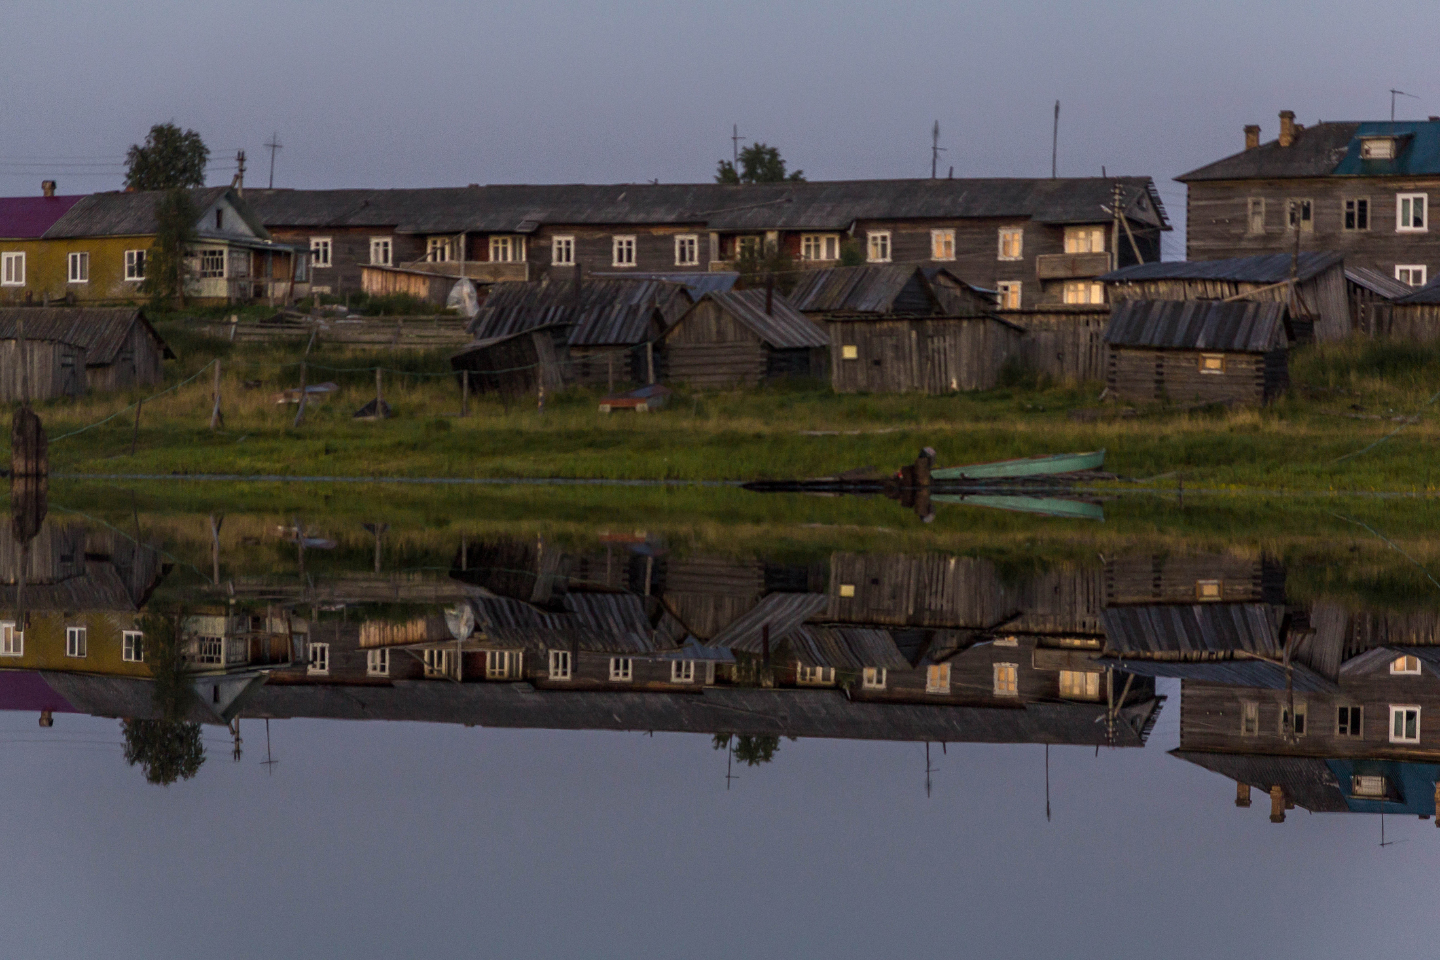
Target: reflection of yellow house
[{"x": 103, "y": 642}]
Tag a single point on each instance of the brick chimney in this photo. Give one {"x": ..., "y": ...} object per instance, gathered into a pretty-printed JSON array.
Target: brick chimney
[
  {"x": 1242, "y": 794},
  {"x": 1287, "y": 127},
  {"x": 1277, "y": 804},
  {"x": 1252, "y": 136},
  {"x": 47, "y": 188}
]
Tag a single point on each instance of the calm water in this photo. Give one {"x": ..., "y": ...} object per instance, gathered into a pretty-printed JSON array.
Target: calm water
[{"x": 558, "y": 737}]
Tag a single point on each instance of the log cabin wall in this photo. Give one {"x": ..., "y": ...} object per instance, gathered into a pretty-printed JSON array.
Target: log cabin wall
[
  {"x": 1066, "y": 344},
  {"x": 712, "y": 349},
  {"x": 138, "y": 363},
  {"x": 1144, "y": 375},
  {"x": 1185, "y": 578},
  {"x": 934, "y": 355}
]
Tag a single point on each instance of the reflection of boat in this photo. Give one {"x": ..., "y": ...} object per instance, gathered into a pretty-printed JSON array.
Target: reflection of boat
[
  {"x": 1025, "y": 467},
  {"x": 1048, "y": 506},
  {"x": 1055, "y": 470}
]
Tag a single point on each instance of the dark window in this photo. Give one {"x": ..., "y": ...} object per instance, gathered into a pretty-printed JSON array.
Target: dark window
[
  {"x": 219, "y": 219},
  {"x": 1357, "y": 214},
  {"x": 1348, "y": 721}
]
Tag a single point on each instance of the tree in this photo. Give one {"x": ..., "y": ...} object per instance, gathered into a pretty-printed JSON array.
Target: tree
[
  {"x": 169, "y": 158},
  {"x": 175, "y": 219},
  {"x": 758, "y": 164},
  {"x": 168, "y": 748}
]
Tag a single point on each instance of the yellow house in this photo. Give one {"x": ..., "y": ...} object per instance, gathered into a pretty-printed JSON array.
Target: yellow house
[
  {"x": 97, "y": 248},
  {"x": 107, "y": 642}
]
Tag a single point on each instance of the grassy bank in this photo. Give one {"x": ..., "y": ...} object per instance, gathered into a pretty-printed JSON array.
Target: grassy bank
[{"x": 1345, "y": 398}]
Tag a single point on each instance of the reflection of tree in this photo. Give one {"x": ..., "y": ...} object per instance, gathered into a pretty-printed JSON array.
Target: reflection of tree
[
  {"x": 749, "y": 750},
  {"x": 168, "y": 748}
]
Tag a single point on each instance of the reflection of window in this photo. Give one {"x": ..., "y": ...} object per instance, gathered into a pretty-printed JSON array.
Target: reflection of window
[
  {"x": 212, "y": 264},
  {"x": 937, "y": 678},
  {"x": 377, "y": 663},
  {"x": 1084, "y": 291},
  {"x": 1212, "y": 363},
  {"x": 682, "y": 671},
  {"x": 1357, "y": 213},
  {"x": 815, "y": 676},
  {"x": 1012, "y": 244},
  {"x": 1084, "y": 239},
  {"x": 942, "y": 244},
  {"x": 437, "y": 663},
  {"x": 1406, "y": 664},
  {"x": 687, "y": 250},
  {"x": 1249, "y": 718},
  {"x": 1009, "y": 291},
  {"x": 622, "y": 669},
  {"x": 873, "y": 678},
  {"x": 75, "y": 641},
  {"x": 1363, "y": 785},
  {"x": 132, "y": 646},
  {"x": 1255, "y": 215},
  {"x": 380, "y": 251},
  {"x": 623, "y": 250},
  {"x": 135, "y": 264},
  {"x": 879, "y": 246},
  {"x": 1298, "y": 727},
  {"x": 502, "y": 664},
  {"x": 849, "y": 351},
  {"x": 1349, "y": 721},
  {"x": 1007, "y": 679},
  {"x": 819, "y": 246},
  {"x": 12, "y": 641},
  {"x": 1404, "y": 724},
  {"x": 319, "y": 659},
  {"x": 562, "y": 251},
  {"x": 1209, "y": 590},
  {"x": 1078, "y": 685},
  {"x": 319, "y": 252},
  {"x": 559, "y": 664}
]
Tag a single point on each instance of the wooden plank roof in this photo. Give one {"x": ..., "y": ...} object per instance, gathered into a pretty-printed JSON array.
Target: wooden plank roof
[
  {"x": 132, "y": 213},
  {"x": 1315, "y": 152},
  {"x": 102, "y": 331},
  {"x": 1237, "y": 326},
  {"x": 782, "y": 327},
  {"x": 609, "y": 312},
  {"x": 1378, "y": 283},
  {"x": 1264, "y": 268}
]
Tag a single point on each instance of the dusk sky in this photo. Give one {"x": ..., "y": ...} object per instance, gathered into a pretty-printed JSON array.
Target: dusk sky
[{"x": 366, "y": 94}]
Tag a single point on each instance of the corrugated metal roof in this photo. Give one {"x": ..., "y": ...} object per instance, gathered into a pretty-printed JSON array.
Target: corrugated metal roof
[
  {"x": 783, "y": 613},
  {"x": 1315, "y": 152},
  {"x": 1377, "y": 282},
  {"x": 102, "y": 331},
  {"x": 783, "y": 327},
  {"x": 697, "y": 283},
  {"x": 27, "y": 218},
  {"x": 1192, "y": 628},
  {"x": 1264, "y": 268},
  {"x": 872, "y": 288},
  {"x": 847, "y": 648},
  {"x": 610, "y": 312},
  {"x": 1240, "y": 326},
  {"x": 1308, "y": 781},
  {"x": 1430, "y": 293}
]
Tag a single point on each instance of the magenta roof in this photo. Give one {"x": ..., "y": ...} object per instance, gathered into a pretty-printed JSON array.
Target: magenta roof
[
  {"x": 27, "y": 218},
  {"x": 27, "y": 690}
]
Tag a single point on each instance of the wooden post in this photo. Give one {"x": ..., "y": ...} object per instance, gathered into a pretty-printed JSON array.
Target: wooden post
[
  {"x": 300, "y": 414},
  {"x": 135, "y": 437},
  {"x": 609, "y": 373},
  {"x": 379, "y": 395},
  {"x": 216, "y": 417},
  {"x": 465, "y": 393},
  {"x": 215, "y": 548},
  {"x": 650, "y": 362}
]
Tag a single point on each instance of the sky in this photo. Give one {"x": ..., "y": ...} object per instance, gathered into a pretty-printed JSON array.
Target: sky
[{"x": 371, "y": 94}]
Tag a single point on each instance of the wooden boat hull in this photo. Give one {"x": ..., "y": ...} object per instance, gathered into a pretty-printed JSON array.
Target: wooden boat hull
[{"x": 1048, "y": 466}]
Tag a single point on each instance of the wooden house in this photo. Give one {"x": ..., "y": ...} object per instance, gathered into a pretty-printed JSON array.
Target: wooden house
[
  {"x": 1321, "y": 296},
  {"x": 74, "y": 349},
  {"x": 1198, "y": 351},
  {"x": 742, "y": 338}
]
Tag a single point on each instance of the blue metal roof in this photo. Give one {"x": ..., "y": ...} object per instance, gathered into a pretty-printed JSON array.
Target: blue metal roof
[
  {"x": 1411, "y": 786},
  {"x": 1416, "y": 153}
]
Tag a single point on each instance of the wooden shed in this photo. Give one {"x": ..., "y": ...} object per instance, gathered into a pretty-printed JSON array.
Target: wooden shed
[
  {"x": 514, "y": 364},
  {"x": 887, "y": 289},
  {"x": 74, "y": 349},
  {"x": 1321, "y": 296},
  {"x": 1064, "y": 341},
  {"x": 743, "y": 337},
  {"x": 1371, "y": 293},
  {"x": 1198, "y": 351},
  {"x": 1414, "y": 317}
]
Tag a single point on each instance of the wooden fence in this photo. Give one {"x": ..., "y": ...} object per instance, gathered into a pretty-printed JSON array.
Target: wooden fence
[
  {"x": 1415, "y": 322},
  {"x": 1067, "y": 343},
  {"x": 413, "y": 333}
]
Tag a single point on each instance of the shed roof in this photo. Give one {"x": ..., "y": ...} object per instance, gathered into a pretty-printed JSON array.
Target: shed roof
[
  {"x": 1238, "y": 326},
  {"x": 1315, "y": 152},
  {"x": 871, "y": 288},
  {"x": 27, "y": 218},
  {"x": 610, "y": 312},
  {"x": 1377, "y": 282},
  {"x": 1265, "y": 268},
  {"x": 1430, "y": 293},
  {"x": 783, "y": 327},
  {"x": 102, "y": 331},
  {"x": 696, "y": 283}
]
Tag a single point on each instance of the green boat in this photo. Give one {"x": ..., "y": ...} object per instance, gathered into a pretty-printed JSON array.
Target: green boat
[
  {"x": 1053, "y": 465},
  {"x": 1046, "y": 506}
]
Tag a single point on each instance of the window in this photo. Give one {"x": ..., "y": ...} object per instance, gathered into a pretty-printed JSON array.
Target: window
[
  {"x": 1299, "y": 213},
  {"x": 682, "y": 671},
  {"x": 319, "y": 664},
  {"x": 849, "y": 351},
  {"x": 808, "y": 676},
  {"x": 847, "y": 589},
  {"x": 1349, "y": 721},
  {"x": 209, "y": 650},
  {"x": 302, "y": 267},
  {"x": 219, "y": 219},
  {"x": 1298, "y": 728},
  {"x": 319, "y": 252},
  {"x": 1012, "y": 244},
  {"x": 1368, "y": 785},
  {"x": 1377, "y": 148},
  {"x": 507, "y": 249},
  {"x": 1410, "y": 212},
  {"x": 1079, "y": 685},
  {"x": 623, "y": 251},
  {"x": 559, "y": 664},
  {"x": 942, "y": 244},
  {"x": 1411, "y": 273},
  {"x": 1255, "y": 215},
  {"x": 562, "y": 251},
  {"x": 79, "y": 271},
  {"x": 1212, "y": 363},
  {"x": 1084, "y": 239},
  {"x": 1249, "y": 718},
  {"x": 212, "y": 264},
  {"x": 1406, "y": 664},
  {"x": 439, "y": 663},
  {"x": 377, "y": 663},
  {"x": 687, "y": 250},
  {"x": 75, "y": 641},
  {"x": 1357, "y": 213},
  {"x": 502, "y": 664},
  {"x": 12, "y": 269},
  {"x": 132, "y": 646},
  {"x": 937, "y": 678},
  {"x": 135, "y": 264},
  {"x": 1007, "y": 679},
  {"x": 1008, "y": 294},
  {"x": 438, "y": 250},
  {"x": 1084, "y": 291},
  {"x": 879, "y": 246},
  {"x": 819, "y": 246},
  {"x": 381, "y": 250},
  {"x": 1404, "y": 724},
  {"x": 12, "y": 641},
  {"x": 747, "y": 248},
  {"x": 622, "y": 669},
  {"x": 873, "y": 678}
]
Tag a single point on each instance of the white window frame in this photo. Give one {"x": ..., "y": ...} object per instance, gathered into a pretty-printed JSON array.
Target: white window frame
[
  {"x": 132, "y": 646},
  {"x": 1300, "y": 210},
  {"x": 77, "y": 642},
  {"x": 873, "y": 678},
  {"x": 1405, "y": 208},
  {"x": 1377, "y": 148},
  {"x": 439, "y": 249},
  {"x": 1254, "y": 215},
  {"x": 942, "y": 244},
  {"x": 1398, "y": 711},
  {"x": 377, "y": 662},
  {"x": 317, "y": 660},
  {"x": 1083, "y": 291},
  {"x": 562, "y": 251},
  {"x": 12, "y": 641},
  {"x": 382, "y": 251},
  {"x": 438, "y": 662},
  {"x": 622, "y": 244},
  {"x": 321, "y": 249},
  {"x": 1001, "y": 686},
  {"x": 1082, "y": 685},
  {"x": 1352, "y": 211},
  {"x": 1010, "y": 233},
  {"x": 1400, "y": 666},
  {"x": 1083, "y": 239},
  {"x": 814, "y": 247},
  {"x": 757, "y": 243},
  {"x": 937, "y": 678},
  {"x": 1407, "y": 272},
  {"x": 808, "y": 676},
  {"x": 1005, "y": 289},
  {"x": 135, "y": 264},
  {"x": 507, "y": 248},
  {"x": 622, "y": 669},
  {"x": 682, "y": 671},
  {"x": 561, "y": 667},
  {"x": 12, "y": 269},
  {"x": 77, "y": 267},
  {"x": 878, "y": 246},
  {"x": 687, "y": 243},
  {"x": 504, "y": 664},
  {"x": 211, "y": 255}
]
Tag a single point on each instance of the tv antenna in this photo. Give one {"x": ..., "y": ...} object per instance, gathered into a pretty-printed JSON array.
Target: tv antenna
[
  {"x": 1398, "y": 93},
  {"x": 928, "y": 769},
  {"x": 269, "y": 761},
  {"x": 935, "y": 149},
  {"x": 729, "y": 760},
  {"x": 235, "y": 750},
  {"x": 735, "y": 141},
  {"x": 1047, "y": 782},
  {"x": 273, "y": 144}
]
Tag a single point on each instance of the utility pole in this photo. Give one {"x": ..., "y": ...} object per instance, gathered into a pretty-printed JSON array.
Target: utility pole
[
  {"x": 274, "y": 144},
  {"x": 1115, "y": 196},
  {"x": 1055, "y": 142},
  {"x": 735, "y": 141},
  {"x": 935, "y": 149},
  {"x": 239, "y": 183}
]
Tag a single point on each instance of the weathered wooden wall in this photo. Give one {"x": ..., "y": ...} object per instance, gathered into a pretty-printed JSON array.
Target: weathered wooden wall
[
  {"x": 52, "y": 369},
  {"x": 934, "y": 355},
  {"x": 1067, "y": 344},
  {"x": 1145, "y": 375},
  {"x": 1323, "y": 297},
  {"x": 139, "y": 363},
  {"x": 1414, "y": 322},
  {"x": 711, "y": 349},
  {"x": 423, "y": 286},
  {"x": 421, "y": 333}
]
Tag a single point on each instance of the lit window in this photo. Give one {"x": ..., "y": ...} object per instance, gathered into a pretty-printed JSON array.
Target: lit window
[
  {"x": 879, "y": 246},
  {"x": 12, "y": 641},
  {"x": 1249, "y": 718},
  {"x": 1255, "y": 214},
  {"x": 1007, "y": 679},
  {"x": 439, "y": 663},
  {"x": 12, "y": 269},
  {"x": 381, "y": 251},
  {"x": 437, "y": 250},
  {"x": 1212, "y": 363},
  {"x": 815, "y": 676},
  {"x": 1377, "y": 148},
  {"x": 319, "y": 659},
  {"x": 682, "y": 671},
  {"x": 623, "y": 251},
  {"x": 1079, "y": 685},
  {"x": 1406, "y": 664},
  {"x": 319, "y": 252},
  {"x": 1298, "y": 727},
  {"x": 75, "y": 644},
  {"x": 1299, "y": 212},
  {"x": 1009, "y": 294},
  {"x": 942, "y": 244},
  {"x": 1357, "y": 213},
  {"x": 1084, "y": 239},
  {"x": 132, "y": 646},
  {"x": 1012, "y": 244},
  {"x": 1404, "y": 724},
  {"x": 1410, "y": 212},
  {"x": 507, "y": 249},
  {"x": 873, "y": 678},
  {"x": 135, "y": 264},
  {"x": 1084, "y": 291},
  {"x": 502, "y": 664},
  {"x": 1368, "y": 785},
  {"x": 849, "y": 351},
  {"x": 687, "y": 250},
  {"x": 377, "y": 663},
  {"x": 79, "y": 264},
  {"x": 747, "y": 248},
  {"x": 622, "y": 669},
  {"x": 1349, "y": 721},
  {"x": 559, "y": 664},
  {"x": 1412, "y": 273},
  {"x": 212, "y": 264},
  {"x": 1208, "y": 591},
  {"x": 937, "y": 678},
  {"x": 819, "y": 246},
  {"x": 562, "y": 251}
]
